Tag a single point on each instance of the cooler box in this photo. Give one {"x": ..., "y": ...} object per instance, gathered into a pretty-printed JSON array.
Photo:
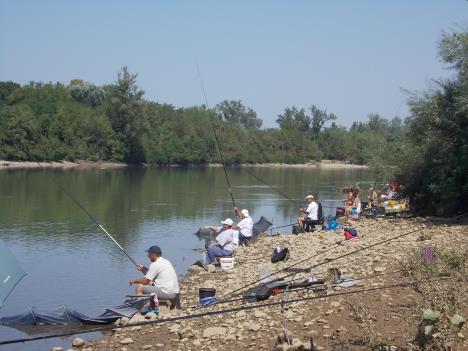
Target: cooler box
[{"x": 226, "y": 262}]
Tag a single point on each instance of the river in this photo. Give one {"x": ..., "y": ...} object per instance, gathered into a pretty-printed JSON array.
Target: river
[{"x": 69, "y": 261}]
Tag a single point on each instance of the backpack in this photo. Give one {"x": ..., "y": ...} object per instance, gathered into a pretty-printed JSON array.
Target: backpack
[
  {"x": 280, "y": 254},
  {"x": 320, "y": 213},
  {"x": 350, "y": 233}
]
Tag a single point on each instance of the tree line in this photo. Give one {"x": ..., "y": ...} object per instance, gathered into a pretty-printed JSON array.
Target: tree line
[
  {"x": 427, "y": 152},
  {"x": 53, "y": 121}
]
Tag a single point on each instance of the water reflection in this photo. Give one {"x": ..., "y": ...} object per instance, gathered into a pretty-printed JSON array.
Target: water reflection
[{"x": 70, "y": 262}]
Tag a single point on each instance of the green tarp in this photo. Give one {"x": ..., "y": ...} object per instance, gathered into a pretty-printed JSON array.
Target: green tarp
[{"x": 10, "y": 272}]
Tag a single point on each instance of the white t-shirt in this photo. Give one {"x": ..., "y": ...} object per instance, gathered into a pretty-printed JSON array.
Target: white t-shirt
[
  {"x": 246, "y": 226},
  {"x": 227, "y": 239},
  {"x": 312, "y": 211},
  {"x": 164, "y": 276}
]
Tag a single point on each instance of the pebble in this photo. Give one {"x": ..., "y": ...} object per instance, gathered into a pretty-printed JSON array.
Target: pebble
[
  {"x": 78, "y": 342},
  {"x": 254, "y": 327},
  {"x": 56, "y": 348},
  {"x": 126, "y": 341},
  {"x": 147, "y": 347},
  {"x": 213, "y": 331}
]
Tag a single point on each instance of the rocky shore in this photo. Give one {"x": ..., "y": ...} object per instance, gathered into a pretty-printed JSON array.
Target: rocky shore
[{"x": 338, "y": 321}]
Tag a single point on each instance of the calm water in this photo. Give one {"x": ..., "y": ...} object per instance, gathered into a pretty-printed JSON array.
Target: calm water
[{"x": 71, "y": 262}]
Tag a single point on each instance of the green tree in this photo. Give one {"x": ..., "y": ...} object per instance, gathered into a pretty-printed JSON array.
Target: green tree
[
  {"x": 319, "y": 118},
  {"x": 124, "y": 110},
  {"x": 235, "y": 112},
  {"x": 294, "y": 118}
]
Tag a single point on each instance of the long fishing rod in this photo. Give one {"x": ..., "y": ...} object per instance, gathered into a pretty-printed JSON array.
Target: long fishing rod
[
  {"x": 236, "y": 291},
  {"x": 215, "y": 136},
  {"x": 221, "y": 312},
  {"x": 87, "y": 213}
]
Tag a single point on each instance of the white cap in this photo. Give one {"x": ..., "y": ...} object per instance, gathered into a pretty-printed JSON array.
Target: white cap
[
  {"x": 245, "y": 212},
  {"x": 309, "y": 197},
  {"x": 227, "y": 221}
]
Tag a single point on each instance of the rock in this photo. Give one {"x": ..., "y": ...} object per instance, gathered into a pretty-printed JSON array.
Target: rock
[
  {"x": 151, "y": 316},
  {"x": 174, "y": 328},
  {"x": 56, "y": 348},
  {"x": 146, "y": 347},
  {"x": 135, "y": 328},
  {"x": 124, "y": 320},
  {"x": 137, "y": 318},
  {"x": 461, "y": 336},
  {"x": 196, "y": 342},
  {"x": 126, "y": 341},
  {"x": 335, "y": 304},
  {"x": 260, "y": 314},
  {"x": 379, "y": 269},
  {"x": 213, "y": 331},
  {"x": 195, "y": 269},
  {"x": 254, "y": 327},
  {"x": 78, "y": 342}
]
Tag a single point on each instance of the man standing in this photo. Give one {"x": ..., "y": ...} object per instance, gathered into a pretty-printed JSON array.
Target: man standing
[
  {"x": 225, "y": 242},
  {"x": 160, "y": 278},
  {"x": 310, "y": 214},
  {"x": 244, "y": 227}
]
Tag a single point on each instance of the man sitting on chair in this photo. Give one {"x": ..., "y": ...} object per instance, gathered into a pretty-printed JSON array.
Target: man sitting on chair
[
  {"x": 160, "y": 278},
  {"x": 310, "y": 214},
  {"x": 226, "y": 242},
  {"x": 244, "y": 227}
]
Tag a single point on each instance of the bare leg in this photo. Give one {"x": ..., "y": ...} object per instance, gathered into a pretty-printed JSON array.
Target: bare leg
[
  {"x": 300, "y": 221},
  {"x": 139, "y": 289}
]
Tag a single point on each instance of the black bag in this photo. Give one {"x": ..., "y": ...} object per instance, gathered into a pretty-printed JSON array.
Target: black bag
[
  {"x": 320, "y": 217},
  {"x": 280, "y": 255}
]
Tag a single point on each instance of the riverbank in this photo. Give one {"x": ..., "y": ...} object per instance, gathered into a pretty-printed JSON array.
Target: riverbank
[
  {"x": 82, "y": 164},
  {"x": 385, "y": 316}
]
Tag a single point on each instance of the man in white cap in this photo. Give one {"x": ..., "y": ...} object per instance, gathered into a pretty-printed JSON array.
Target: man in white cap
[
  {"x": 310, "y": 213},
  {"x": 244, "y": 227},
  {"x": 225, "y": 242}
]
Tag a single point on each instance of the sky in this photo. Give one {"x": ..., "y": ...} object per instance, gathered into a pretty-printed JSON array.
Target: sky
[{"x": 351, "y": 58}]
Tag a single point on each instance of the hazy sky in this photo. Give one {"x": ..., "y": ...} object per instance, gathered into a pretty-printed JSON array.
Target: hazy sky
[{"x": 348, "y": 57}]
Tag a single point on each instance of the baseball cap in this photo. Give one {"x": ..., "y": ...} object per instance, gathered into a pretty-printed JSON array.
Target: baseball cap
[
  {"x": 245, "y": 212},
  {"x": 227, "y": 221},
  {"x": 309, "y": 196},
  {"x": 154, "y": 249}
]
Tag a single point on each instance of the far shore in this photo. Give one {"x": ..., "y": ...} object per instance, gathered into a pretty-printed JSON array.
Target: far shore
[{"x": 82, "y": 164}]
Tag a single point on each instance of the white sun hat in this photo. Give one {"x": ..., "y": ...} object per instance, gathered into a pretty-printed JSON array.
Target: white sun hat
[
  {"x": 227, "y": 221},
  {"x": 309, "y": 197},
  {"x": 245, "y": 212}
]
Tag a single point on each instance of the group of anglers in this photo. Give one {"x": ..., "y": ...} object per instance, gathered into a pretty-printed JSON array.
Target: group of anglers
[{"x": 160, "y": 277}]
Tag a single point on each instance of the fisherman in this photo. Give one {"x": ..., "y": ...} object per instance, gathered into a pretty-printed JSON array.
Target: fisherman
[
  {"x": 160, "y": 278},
  {"x": 311, "y": 213},
  {"x": 226, "y": 242},
  {"x": 244, "y": 227}
]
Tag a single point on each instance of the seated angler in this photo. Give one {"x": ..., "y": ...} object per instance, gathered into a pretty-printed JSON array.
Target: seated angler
[
  {"x": 226, "y": 242},
  {"x": 310, "y": 214},
  {"x": 160, "y": 278},
  {"x": 244, "y": 227}
]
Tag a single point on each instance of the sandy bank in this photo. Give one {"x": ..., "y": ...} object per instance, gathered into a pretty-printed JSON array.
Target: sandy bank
[
  {"x": 5, "y": 165},
  {"x": 325, "y": 164},
  {"x": 352, "y": 321}
]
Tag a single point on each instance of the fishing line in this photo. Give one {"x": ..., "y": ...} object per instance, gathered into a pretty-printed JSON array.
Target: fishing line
[
  {"x": 233, "y": 293},
  {"x": 220, "y": 312},
  {"x": 272, "y": 187},
  {"x": 215, "y": 136},
  {"x": 87, "y": 213}
]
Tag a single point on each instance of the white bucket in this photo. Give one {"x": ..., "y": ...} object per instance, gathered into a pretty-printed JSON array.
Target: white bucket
[{"x": 226, "y": 262}]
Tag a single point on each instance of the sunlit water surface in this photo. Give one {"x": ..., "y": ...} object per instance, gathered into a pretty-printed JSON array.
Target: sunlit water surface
[{"x": 69, "y": 261}]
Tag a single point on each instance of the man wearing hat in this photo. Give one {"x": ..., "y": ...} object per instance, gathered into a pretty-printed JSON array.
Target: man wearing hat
[
  {"x": 160, "y": 278},
  {"x": 244, "y": 227},
  {"x": 225, "y": 242},
  {"x": 310, "y": 214}
]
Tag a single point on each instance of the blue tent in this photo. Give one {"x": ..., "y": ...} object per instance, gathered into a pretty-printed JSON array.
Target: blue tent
[{"x": 10, "y": 272}]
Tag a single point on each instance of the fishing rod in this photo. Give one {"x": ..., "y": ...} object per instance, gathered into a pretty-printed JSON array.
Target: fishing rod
[
  {"x": 272, "y": 187},
  {"x": 87, "y": 213},
  {"x": 221, "y": 312},
  {"x": 215, "y": 136},
  {"x": 236, "y": 291}
]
